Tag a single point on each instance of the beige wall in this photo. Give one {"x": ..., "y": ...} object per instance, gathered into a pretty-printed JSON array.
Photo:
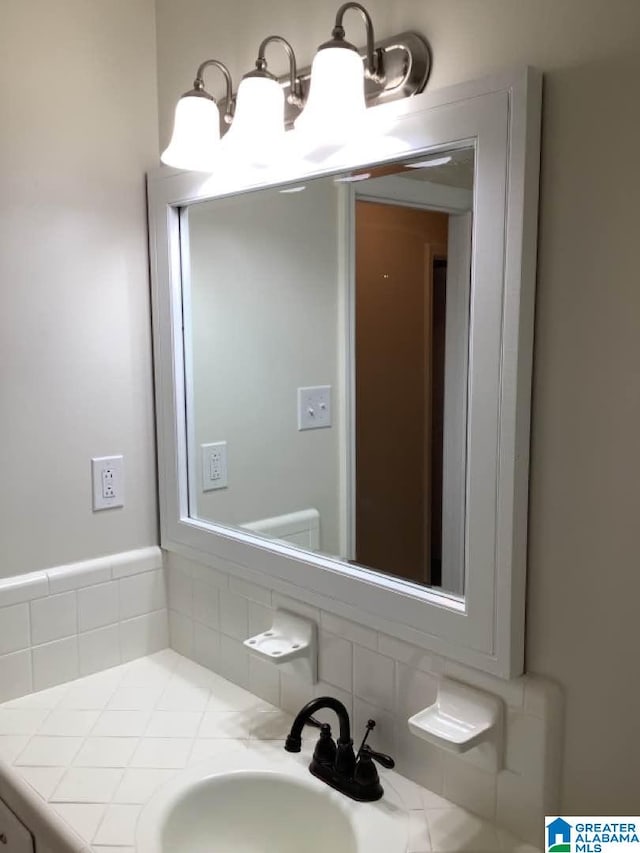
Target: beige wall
[
  {"x": 78, "y": 109},
  {"x": 584, "y": 569},
  {"x": 248, "y": 364}
]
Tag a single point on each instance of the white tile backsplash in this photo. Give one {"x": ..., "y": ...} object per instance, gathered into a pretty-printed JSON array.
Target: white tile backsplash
[
  {"x": 73, "y": 620},
  {"x": 374, "y": 678},
  {"x": 64, "y": 622},
  {"x": 335, "y": 660},
  {"x": 234, "y": 615},
  {"x": 206, "y": 608},
  {"x": 378, "y": 676}
]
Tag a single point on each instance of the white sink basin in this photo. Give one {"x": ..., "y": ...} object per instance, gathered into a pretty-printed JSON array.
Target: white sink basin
[{"x": 254, "y": 803}]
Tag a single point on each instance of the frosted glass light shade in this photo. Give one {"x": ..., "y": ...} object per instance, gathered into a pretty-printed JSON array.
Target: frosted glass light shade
[
  {"x": 257, "y": 129},
  {"x": 336, "y": 106},
  {"x": 196, "y": 133}
]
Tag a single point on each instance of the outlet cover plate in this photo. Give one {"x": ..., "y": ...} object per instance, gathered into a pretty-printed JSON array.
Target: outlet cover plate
[
  {"x": 107, "y": 475},
  {"x": 214, "y": 466}
]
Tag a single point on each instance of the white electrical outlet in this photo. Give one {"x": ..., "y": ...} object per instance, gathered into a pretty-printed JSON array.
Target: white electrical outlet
[
  {"x": 314, "y": 407},
  {"x": 108, "y": 482},
  {"x": 214, "y": 466}
]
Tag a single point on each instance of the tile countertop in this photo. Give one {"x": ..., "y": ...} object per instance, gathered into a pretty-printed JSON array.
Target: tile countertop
[{"x": 79, "y": 761}]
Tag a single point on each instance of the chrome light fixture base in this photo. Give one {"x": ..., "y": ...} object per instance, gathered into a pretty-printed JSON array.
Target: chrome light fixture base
[{"x": 407, "y": 66}]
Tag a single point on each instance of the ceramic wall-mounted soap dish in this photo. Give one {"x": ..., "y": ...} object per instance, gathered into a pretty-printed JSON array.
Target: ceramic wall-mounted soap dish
[
  {"x": 462, "y": 718},
  {"x": 291, "y": 643}
]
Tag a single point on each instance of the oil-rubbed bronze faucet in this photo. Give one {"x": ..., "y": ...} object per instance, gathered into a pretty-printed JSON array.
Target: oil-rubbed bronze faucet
[{"x": 335, "y": 762}]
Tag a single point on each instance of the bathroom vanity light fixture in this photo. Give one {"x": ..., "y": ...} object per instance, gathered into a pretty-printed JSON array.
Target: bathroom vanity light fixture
[
  {"x": 336, "y": 103},
  {"x": 326, "y": 102},
  {"x": 196, "y": 128},
  {"x": 258, "y": 120}
]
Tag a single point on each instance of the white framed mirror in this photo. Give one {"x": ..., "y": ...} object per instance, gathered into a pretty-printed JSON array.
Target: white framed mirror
[{"x": 343, "y": 369}]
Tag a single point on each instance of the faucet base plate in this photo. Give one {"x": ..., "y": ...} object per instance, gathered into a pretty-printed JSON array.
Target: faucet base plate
[{"x": 350, "y": 788}]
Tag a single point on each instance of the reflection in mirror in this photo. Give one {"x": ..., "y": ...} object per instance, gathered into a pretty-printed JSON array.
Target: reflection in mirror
[{"x": 326, "y": 339}]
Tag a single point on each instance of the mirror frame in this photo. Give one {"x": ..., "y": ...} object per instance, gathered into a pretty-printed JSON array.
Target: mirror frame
[{"x": 500, "y": 115}]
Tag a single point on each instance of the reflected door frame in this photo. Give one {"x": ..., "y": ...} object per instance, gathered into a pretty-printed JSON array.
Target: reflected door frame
[{"x": 456, "y": 368}]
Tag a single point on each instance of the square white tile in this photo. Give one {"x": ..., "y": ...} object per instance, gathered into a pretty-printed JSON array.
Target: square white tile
[
  {"x": 118, "y": 826},
  {"x": 87, "y": 785},
  {"x": 84, "y": 818},
  {"x": 121, "y": 723},
  {"x": 53, "y": 618},
  {"x": 264, "y": 680},
  {"x": 182, "y": 697},
  {"x": 21, "y": 721},
  {"x": 352, "y": 631},
  {"x": 374, "y": 678},
  {"x": 226, "y": 696},
  {"x": 206, "y": 646},
  {"x": 144, "y": 635},
  {"x": 140, "y": 783},
  {"x": 49, "y": 751},
  {"x": 106, "y": 752},
  {"x": 234, "y": 615},
  {"x": 14, "y": 628},
  {"x": 335, "y": 660},
  {"x": 415, "y": 690},
  {"x": 181, "y": 631},
  {"x": 55, "y": 663},
  {"x": 85, "y": 697},
  {"x": 15, "y": 675},
  {"x": 226, "y": 724},
  {"x": 206, "y": 604},
  {"x": 419, "y": 841},
  {"x": 11, "y": 746},
  {"x": 180, "y": 591},
  {"x": 98, "y": 650},
  {"x": 142, "y": 594},
  {"x": 470, "y": 787},
  {"x": 174, "y": 724},
  {"x": 69, "y": 723},
  {"x": 44, "y": 780},
  {"x": 135, "y": 698},
  {"x": 97, "y": 606},
  {"x": 270, "y": 725},
  {"x": 163, "y": 753},
  {"x": 233, "y": 661},
  {"x": 456, "y": 829}
]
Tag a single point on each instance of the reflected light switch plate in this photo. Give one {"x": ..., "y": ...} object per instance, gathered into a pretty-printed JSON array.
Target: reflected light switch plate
[{"x": 314, "y": 407}]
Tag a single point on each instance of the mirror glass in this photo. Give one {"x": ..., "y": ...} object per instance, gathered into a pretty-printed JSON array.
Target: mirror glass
[{"x": 326, "y": 329}]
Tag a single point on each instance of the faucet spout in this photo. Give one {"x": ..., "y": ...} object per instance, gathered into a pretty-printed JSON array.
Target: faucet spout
[{"x": 294, "y": 738}]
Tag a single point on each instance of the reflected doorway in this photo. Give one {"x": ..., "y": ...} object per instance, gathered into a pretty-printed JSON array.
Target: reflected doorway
[{"x": 400, "y": 319}]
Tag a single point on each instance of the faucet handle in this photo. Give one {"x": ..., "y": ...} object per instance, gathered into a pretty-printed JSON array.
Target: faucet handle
[
  {"x": 385, "y": 760},
  {"x": 311, "y": 721}
]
